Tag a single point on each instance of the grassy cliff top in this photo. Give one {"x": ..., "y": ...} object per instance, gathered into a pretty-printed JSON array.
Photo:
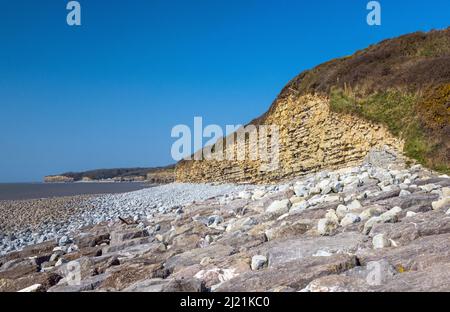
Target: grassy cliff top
[{"x": 403, "y": 83}]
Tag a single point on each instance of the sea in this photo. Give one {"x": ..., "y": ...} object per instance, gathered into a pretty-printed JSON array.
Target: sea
[{"x": 22, "y": 191}]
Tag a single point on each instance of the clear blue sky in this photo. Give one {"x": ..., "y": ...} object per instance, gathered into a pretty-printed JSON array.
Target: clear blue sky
[{"x": 108, "y": 93}]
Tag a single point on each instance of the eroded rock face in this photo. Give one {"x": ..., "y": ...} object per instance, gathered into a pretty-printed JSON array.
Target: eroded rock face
[
  {"x": 311, "y": 138},
  {"x": 379, "y": 241}
]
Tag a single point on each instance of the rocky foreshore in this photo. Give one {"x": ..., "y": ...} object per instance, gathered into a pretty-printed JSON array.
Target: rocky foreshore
[{"x": 364, "y": 228}]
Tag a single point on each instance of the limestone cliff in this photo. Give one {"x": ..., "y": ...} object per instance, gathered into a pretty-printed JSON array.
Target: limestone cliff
[
  {"x": 312, "y": 137},
  {"x": 395, "y": 94}
]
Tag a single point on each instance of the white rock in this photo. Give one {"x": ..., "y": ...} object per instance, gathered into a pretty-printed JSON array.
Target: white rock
[
  {"x": 258, "y": 262},
  {"x": 441, "y": 203},
  {"x": 341, "y": 211},
  {"x": 279, "y": 207},
  {"x": 32, "y": 288},
  {"x": 350, "y": 218},
  {"x": 322, "y": 253},
  {"x": 299, "y": 207},
  {"x": 404, "y": 193},
  {"x": 380, "y": 241},
  {"x": 326, "y": 226},
  {"x": 331, "y": 215},
  {"x": 323, "y": 184},
  {"x": 354, "y": 205},
  {"x": 448, "y": 212},
  {"x": 446, "y": 192},
  {"x": 301, "y": 190},
  {"x": 370, "y": 223},
  {"x": 391, "y": 215},
  {"x": 245, "y": 195},
  {"x": 410, "y": 214},
  {"x": 429, "y": 187},
  {"x": 296, "y": 200},
  {"x": 259, "y": 194}
]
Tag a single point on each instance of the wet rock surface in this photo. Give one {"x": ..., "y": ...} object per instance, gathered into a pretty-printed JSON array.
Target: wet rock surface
[{"x": 346, "y": 230}]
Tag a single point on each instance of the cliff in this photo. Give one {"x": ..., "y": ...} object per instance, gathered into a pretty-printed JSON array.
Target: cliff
[
  {"x": 154, "y": 175},
  {"x": 395, "y": 94}
]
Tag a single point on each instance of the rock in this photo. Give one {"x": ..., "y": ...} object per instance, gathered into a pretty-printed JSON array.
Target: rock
[
  {"x": 354, "y": 205},
  {"x": 289, "y": 230},
  {"x": 341, "y": 211},
  {"x": 448, "y": 212},
  {"x": 391, "y": 215},
  {"x": 60, "y": 262},
  {"x": 301, "y": 190},
  {"x": 148, "y": 285},
  {"x": 446, "y": 192},
  {"x": 279, "y": 207},
  {"x": 214, "y": 220},
  {"x": 258, "y": 262},
  {"x": 370, "y": 212},
  {"x": 293, "y": 274},
  {"x": 331, "y": 215},
  {"x": 410, "y": 214},
  {"x": 429, "y": 187},
  {"x": 380, "y": 241},
  {"x": 241, "y": 224},
  {"x": 33, "y": 288},
  {"x": 322, "y": 253},
  {"x": 64, "y": 240},
  {"x": 245, "y": 195},
  {"x": 258, "y": 194},
  {"x": 404, "y": 193},
  {"x": 370, "y": 223},
  {"x": 326, "y": 226},
  {"x": 441, "y": 204},
  {"x": 185, "y": 285},
  {"x": 350, "y": 218},
  {"x": 337, "y": 187}
]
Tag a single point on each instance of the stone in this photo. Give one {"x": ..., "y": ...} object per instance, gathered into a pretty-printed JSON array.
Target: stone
[
  {"x": 448, "y": 212},
  {"x": 370, "y": 223},
  {"x": 380, "y": 241},
  {"x": 326, "y": 226},
  {"x": 241, "y": 224},
  {"x": 441, "y": 204},
  {"x": 293, "y": 274},
  {"x": 258, "y": 194},
  {"x": 322, "y": 253},
  {"x": 341, "y": 211},
  {"x": 215, "y": 220},
  {"x": 391, "y": 215},
  {"x": 185, "y": 285},
  {"x": 337, "y": 187},
  {"x": 245, "y": 195},
  {"x": 64, "y": 240},
  {"x": 331, "y": 215},
  {"x": 429, "y": 187},
  {"x": 354, "y": 205},
  {"x": 258, "y": 262},
  {"x": 33, "y": 288},
  {"x": 301, "y": 190},
  {"x": 279, "y": 207},
  {"x": 410, "y": 214},
  {"x": 350, "y": 218},
  {"x": 446, "y": 192},
  {"x": 404, "y": 193}
]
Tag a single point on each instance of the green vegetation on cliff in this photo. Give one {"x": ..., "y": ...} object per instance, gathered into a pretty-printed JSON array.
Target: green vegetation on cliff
[{"x": 403, "y": 83}]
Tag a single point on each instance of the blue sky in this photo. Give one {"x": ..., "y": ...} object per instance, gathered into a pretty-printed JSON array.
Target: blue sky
[{"x": 107, "y": 94}]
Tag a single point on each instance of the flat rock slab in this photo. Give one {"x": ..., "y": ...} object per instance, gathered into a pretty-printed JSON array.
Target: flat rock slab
[
  {"x": 303, "y": 247},
  {"x": 295, "y": 274}
]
